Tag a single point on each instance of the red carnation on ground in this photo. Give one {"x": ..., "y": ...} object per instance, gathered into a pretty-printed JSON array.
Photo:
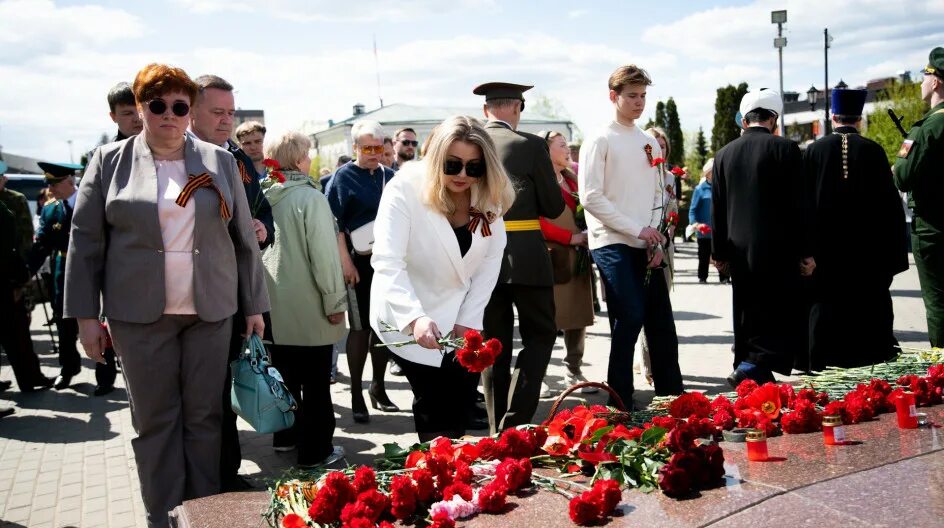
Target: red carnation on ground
[
  {"x": 746, "y": 387},
  {"x": 723, "y": 420},
  {"x": 492, "y": 497},
  {"x": 441, "y": 520},
  {"x": 583, "y": 511},
  {"x": 681, "y": 438},
  {"x": 336, "y": 492},
  {"x": 402, "y": 497},
  {"x": 607, "y": 494},
  {"x": 370, "y": 505},
  {"x": 673, "y": 481},
  {"x": 458, "y": 488},
  {"x": 714, "y": 456},
  {"x": 690, "y": 403},
  {"x": 293, "y": 521},
  {"x": 364, "y": 479},
  {"x": 425, "y": 487},
  {"x": 514, "y": 474},
  {"x": 515, "y": 443},
  {"x": 664, "y": 422},
  {"x": 488, "y": 448}
]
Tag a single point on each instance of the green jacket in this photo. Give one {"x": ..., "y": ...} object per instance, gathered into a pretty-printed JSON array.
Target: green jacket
[
  {"x": 18, "y": 205},
  {"x": 303, "y": 267},
  {"x": 919, "y": 169}
]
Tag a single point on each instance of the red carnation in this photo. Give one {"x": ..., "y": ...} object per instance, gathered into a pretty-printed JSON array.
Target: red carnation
[
  {"x": 664, "y": 422},
  {"x": 787, "y": 395},
  {"x": 678, "y": 171},
  {"x": 492, "y": 496},
  {"x": 658, "y": 161},
  {"x": 723, "y": 420},
  {"x": 673, "y": 481},
  {"x": 271, "y": 163},
  {"x": 458, "y": 488},
  {"x": 402, "y": 497},
  {"x": 583, "y": 510},
  {"x": 370, "y": 505},
  {"x": 441, "y": 520},
  {"x": 277, "y": 176},
  {"x": 488, "y": 448},
  {"x": 746, "y": 387},
  {"x": 607, "y": 494},
  {"x": 515, "y": 474},
  {"x": 704, "y": 229},
  {"x": 721, "y": 402},
  {"x": 425, "y": 487},
  {"x": 714, "y": 456},
  {"x": 690, "y": 403},
  {"x": 694, "y": 463},
  {"x": 293, "y": 521},
  {"x": 515, "y": 443},
  {"x": 681, "y": 438},
  {"x": 472, "y": 339},
  {"x": 364, "y": 479}
]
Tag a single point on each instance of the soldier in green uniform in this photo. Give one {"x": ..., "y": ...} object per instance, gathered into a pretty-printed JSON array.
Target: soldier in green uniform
[
  {"x": 52, "y": 240},
  {"x": 526, "y": 279},
  {"x": 17, "y": 205},
  {"x": 919, "y": 171}
]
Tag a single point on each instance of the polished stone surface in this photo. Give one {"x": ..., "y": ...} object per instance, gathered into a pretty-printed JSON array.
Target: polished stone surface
[{"x": 890, "y": 477}]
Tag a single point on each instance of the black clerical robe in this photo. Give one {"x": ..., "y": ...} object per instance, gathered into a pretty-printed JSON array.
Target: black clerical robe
[
  {"x": 859, "y": 247},
  {"x": 762, "y": 229}
]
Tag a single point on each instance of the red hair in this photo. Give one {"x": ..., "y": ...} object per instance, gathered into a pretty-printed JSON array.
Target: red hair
[{"x": 155, "y": 80}]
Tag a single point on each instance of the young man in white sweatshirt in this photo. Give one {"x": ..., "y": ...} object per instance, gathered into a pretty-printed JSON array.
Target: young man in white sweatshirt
[{"x": 622, "y": 195}]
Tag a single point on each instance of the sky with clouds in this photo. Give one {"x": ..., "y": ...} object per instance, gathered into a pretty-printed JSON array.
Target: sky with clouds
[{"x": 311, "y": 60}]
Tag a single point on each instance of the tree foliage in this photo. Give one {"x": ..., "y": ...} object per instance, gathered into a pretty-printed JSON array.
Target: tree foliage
[
  {"x": 701, "y": 148},
  {"x": 727, "y": 101},
  {"x": 660, "y": 118},
  {"x": 905, "y": 100},
  {"x": 673, "y": 131}
]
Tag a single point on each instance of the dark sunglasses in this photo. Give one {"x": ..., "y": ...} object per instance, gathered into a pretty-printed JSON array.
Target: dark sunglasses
[
  {"x": 409, "y": 143},
  {"x": 473, "y": 168},
  {"x": 158, "y": 107}
]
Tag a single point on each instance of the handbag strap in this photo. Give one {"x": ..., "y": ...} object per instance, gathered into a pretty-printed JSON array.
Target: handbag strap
[{"x": 257, "y": 351}]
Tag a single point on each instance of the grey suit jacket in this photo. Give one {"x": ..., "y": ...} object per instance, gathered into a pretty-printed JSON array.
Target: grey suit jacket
[{"x": 116, "y": 251}]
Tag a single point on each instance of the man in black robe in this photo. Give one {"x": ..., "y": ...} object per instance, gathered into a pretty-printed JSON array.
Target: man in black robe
[
  {"x": 859, "y": 246},
  {"x": 763, "y": 239}
]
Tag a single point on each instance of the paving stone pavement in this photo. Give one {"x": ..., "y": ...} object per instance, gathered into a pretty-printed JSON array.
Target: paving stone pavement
[{"x": 66, "y": 458}]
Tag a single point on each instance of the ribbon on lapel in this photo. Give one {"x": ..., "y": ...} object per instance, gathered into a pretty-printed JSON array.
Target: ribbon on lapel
[
  {"x": 197, "y": 181},
  {"x": 477, "y": 218},
  {"x": 243, "y": 173}
]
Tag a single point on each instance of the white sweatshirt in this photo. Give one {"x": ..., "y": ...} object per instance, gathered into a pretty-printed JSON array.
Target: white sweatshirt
[{"x": 620, "y": 190}]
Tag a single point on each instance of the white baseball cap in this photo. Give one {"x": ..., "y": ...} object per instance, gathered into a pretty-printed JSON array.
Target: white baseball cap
[{"x": 763, "y": 98}]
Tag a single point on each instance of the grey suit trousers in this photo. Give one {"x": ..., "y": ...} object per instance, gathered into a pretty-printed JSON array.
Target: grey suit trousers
[{"x": 174, "y": 369}]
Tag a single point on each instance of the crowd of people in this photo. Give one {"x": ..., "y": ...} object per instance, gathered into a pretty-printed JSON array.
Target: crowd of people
[{"x": 180, "y": 242}]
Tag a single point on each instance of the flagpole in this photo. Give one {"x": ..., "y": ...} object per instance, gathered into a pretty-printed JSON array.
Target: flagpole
[{"x": 377, "y": 70}]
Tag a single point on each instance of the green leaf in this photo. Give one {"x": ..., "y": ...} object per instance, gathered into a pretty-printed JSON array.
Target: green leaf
[
  {"x": 598, "y": 434},
  {"x": 652, "y": 436}
]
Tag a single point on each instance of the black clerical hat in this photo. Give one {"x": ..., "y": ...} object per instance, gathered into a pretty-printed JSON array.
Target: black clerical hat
[{"x": 848, "y": 102}]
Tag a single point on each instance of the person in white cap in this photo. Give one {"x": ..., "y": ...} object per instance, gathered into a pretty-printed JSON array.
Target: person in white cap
[{"x": 763, "y": 238}]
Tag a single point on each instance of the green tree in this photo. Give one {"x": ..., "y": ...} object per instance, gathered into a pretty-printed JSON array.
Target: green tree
[
  {"x": 727, "y": 101},
  {"x": 701, "y": 148},
  {"x": 673, "y": 131},
  {"x": 660, "y": 119},
  {"x": 905, "y": 100}
]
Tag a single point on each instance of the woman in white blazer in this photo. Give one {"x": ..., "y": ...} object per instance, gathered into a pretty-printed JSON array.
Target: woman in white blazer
[{"x": 438, "y": 245}]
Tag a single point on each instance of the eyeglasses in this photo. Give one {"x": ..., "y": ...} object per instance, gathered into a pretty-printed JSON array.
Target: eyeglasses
[
  {"x": 159, "y": 106},
  {"x": 409, "y": 143},
  {"x": 371, "y": 149},
  {"x": 473, "y": 168}
]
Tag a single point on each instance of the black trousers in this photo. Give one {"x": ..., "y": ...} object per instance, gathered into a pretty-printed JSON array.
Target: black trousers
[
  {"x": 440, "y": 394},
  {"x": 704, "y": 260},
  {"x": 511, "y": 397},
  {"x": 69, "y": 360},
  {"x": 17, "y": 343},
  {"x": 307, "y": 373},
  {"x": 105, "y": 373}
]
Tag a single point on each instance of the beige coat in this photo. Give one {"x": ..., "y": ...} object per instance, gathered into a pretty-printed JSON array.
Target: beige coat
[{"x": 574, "y": 299}]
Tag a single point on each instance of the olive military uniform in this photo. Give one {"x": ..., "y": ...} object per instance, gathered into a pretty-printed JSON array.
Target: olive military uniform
[
  {"x": 919, "y": 170},
  {"x": 526, "y": 279}
]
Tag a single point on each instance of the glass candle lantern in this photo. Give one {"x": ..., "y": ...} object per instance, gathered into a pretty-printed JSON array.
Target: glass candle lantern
[
  {"x": 905, "y": 408},
  {"x": 833, "y": 432},
  {"x": 756, "y": 445}
]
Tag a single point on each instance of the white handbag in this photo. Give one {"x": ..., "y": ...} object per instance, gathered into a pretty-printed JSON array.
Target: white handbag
[{"x": 362, "y": 239}]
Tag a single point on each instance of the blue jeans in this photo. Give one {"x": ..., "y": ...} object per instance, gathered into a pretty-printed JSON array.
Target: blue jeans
[{"x": 633, "y": 304}]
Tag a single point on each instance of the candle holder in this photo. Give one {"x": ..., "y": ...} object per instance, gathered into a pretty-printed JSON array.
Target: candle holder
[
  {"x": 906, "y": 411},
  {"x": 756, "y": 445},
  {"x": 833, "y": 431}
]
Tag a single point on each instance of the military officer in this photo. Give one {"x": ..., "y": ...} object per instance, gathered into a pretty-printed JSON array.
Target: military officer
[
  {"x": 919, "y": 171},
  {"x": 52, "y": 240},
  {"x": 17, "y": 205},
  {"x": 526, "y": 279}
]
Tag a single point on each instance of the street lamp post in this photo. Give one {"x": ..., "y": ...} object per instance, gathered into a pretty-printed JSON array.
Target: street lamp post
[
  {"x": 827, "y": 40},
  {"x": 71, "y": 158},
  {"x": 812, "y": 95},
  {"x": 780, "y": 18}
]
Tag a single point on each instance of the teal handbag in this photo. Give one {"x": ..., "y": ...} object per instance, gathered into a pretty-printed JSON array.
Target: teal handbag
[{"x": 259, "y": 395}]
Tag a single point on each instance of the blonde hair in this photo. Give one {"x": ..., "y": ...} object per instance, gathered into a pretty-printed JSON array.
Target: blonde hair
[
  {"x": 288, "y": 149},
  {"x": 626, "y": 76},
  {"x": 249, "y": 127},
  {"x": 494, "y": 191}
]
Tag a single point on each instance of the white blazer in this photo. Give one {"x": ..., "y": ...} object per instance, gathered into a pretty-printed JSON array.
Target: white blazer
[{"x": 419, "y": 270}]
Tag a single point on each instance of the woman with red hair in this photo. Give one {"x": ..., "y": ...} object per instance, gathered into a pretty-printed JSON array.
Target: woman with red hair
[{"x": 162, "y": 236}]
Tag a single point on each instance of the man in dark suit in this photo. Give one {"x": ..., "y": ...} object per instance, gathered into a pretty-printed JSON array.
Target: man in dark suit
[
  {"x": 851, "y": 318},
  {"x": 211, "y": 119},
  {"x": 526, "y": 279},
  {"x": 763, "y": 238}
]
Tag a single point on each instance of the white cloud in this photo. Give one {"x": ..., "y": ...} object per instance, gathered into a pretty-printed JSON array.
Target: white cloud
[
  {"x": 577, "y": 13},
  {"x": 326, "y": 10}
]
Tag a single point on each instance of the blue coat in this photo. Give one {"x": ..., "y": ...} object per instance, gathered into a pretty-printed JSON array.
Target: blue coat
[{"x": 700, "y": 210}]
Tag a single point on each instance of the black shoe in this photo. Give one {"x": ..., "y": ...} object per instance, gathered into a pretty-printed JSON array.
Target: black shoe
[
  {"x": 4, "y": 385},
  {"x": 42, "y": 384},
  {"x": 62, "y": 381},
  {"x": 102, "y": 390},
  {"x": 359, "y": 408},
  {"x": 380, "y": 401},
  {"x": 735, "y": 378},
  {"x": 479, "y": 397},
  {"x": 6, "y": 411},
  {"x": 236, "y": 483},
  {"x": 703, "y": 281}
]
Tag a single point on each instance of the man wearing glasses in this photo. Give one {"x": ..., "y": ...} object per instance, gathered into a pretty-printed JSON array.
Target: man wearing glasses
[
  {"x": 918, "y": 172},
  {"x": 526, "y": 279},
  {"x": 404, "y": 144}
]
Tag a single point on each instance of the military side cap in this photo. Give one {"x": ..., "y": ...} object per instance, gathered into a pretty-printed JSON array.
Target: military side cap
[
  {"x": 501, "y": 90},
  {"x": 848, "y": 102},
  {"x": 936, "y": 62},
  {"x": 56, "y": 172}
]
